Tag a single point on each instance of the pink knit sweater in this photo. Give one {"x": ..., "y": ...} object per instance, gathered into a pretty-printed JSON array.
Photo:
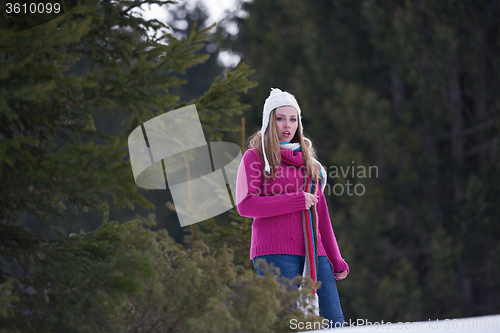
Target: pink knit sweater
[{"x": 276, "y": 206}]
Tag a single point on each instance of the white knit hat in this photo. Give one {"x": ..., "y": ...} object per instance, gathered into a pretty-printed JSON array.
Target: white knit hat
[{"x": 276, "y": 99}]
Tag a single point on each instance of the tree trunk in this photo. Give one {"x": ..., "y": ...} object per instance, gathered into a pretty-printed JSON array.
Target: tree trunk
[
  {"x": 397, "y": 89},
  {"x": 480, "y": 85},
  {"x": 457, "y": 122}
]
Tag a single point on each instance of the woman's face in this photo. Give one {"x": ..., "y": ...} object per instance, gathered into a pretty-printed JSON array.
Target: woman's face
[{"x": 286, "y": 122}]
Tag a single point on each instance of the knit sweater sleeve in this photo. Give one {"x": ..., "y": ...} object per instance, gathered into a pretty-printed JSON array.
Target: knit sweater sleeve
[
  {"x": 250, "y": 199},
  {"x": 328, "y": 237}
]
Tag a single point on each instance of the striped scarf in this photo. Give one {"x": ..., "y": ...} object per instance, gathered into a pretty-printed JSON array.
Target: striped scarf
[{"x": 309, "y": 225}]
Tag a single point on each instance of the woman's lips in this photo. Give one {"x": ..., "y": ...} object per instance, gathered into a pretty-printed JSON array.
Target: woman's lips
[{"x": 286, "y": 133}]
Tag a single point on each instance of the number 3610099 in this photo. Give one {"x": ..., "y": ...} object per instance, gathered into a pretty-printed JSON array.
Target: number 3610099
[{"x": 32, "y": 8}]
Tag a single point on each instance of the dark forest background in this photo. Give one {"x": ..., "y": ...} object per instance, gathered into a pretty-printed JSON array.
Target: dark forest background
[{"x": 410, "y": 87}]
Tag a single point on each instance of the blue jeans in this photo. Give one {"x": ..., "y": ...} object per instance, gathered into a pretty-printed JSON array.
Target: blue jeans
[{"x": 292, "y": 265}]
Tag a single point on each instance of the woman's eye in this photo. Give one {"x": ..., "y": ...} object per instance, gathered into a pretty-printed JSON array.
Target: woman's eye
[
  {"x": 278, "y": 118},
  {"x": 294, "y": 119}
]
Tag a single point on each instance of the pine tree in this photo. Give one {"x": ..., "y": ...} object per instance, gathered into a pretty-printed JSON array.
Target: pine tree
[{"x": 54, "y": 158}]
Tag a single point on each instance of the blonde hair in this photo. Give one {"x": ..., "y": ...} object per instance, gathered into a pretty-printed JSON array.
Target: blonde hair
[{"x": 271, "y": 141}]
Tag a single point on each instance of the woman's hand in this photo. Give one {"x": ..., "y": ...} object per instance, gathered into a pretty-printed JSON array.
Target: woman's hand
[
  {"x": 341, "y": 275},
  {"x": 311, "y": 199}
]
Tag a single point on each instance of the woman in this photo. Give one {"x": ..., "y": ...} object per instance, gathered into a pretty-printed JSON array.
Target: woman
[{"x": 291, "y": 226}]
